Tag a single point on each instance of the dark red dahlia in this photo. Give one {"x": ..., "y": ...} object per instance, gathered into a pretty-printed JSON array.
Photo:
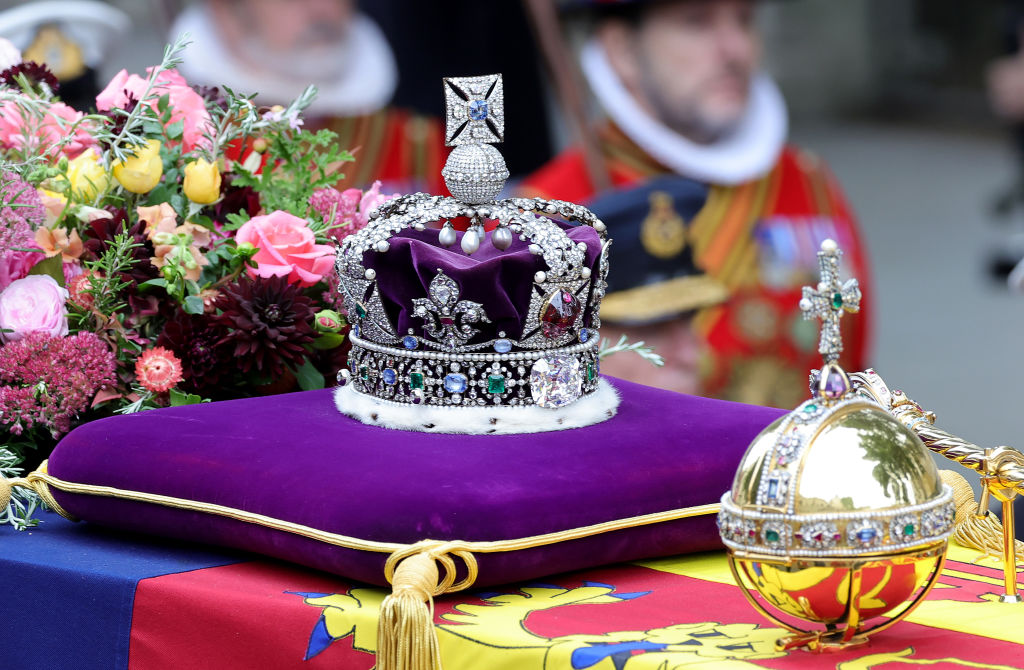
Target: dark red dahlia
[
  {"x": 118, "y": 115},
  {"x": 197, "y": 342},
  {"x": 35, "y": 73},
  {"x": 211, "y": 94},
  {"x": 101, "y": 232},
  {"x": 267, "y": 322},
  {"x": 235, "y": 199}
]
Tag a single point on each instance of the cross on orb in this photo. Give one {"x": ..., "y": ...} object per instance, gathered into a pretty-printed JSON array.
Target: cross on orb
[{"x": 830, "y": 300}]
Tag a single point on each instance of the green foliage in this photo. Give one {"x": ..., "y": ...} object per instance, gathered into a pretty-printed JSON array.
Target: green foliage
[
  {"x": 309, "y": 377},
  {"x": 52, "y": 267},
  {"x": 24, "y": 502},
  {"x": 302, "y": 162}
]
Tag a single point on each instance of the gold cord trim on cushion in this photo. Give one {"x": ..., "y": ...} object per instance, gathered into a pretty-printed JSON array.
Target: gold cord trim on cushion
[
  {"x": 347, "y": 542},
  {"x": 35, "y": 481},
  {"x": 406, "y": 638}
]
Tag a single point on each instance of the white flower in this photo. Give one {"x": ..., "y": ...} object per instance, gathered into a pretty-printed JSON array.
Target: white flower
[{"x": 9, "y": 54}]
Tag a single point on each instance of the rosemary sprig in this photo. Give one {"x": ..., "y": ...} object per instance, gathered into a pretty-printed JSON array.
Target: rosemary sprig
[
  {"x": 639, "y": 348},
  {"x": 24, "y": 503}
]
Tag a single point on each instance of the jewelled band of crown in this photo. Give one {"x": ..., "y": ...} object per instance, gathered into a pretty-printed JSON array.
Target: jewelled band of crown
[{"x": 554, "y": 361}]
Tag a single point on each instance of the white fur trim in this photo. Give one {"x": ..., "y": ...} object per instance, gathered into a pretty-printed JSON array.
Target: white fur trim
[
  {"x": 599, "y": 406},
  {"x": 748, "y": 152},
  {"x": 366, "y": 87}
]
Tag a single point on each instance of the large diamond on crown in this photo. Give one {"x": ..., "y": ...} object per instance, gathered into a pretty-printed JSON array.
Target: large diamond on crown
[{"x": 556, "y": 381}]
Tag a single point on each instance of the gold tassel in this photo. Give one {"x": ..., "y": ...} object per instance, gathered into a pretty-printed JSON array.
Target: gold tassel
[
  {"x": 5, "y": 494},
  {"x": 984, "y": 534},
  {"x": 406, "y": 639}
]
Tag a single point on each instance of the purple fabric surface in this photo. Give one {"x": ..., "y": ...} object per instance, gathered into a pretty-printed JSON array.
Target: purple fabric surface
[
  {"x": 499, "y": 280},
  {"x": 295, "y": 457}
]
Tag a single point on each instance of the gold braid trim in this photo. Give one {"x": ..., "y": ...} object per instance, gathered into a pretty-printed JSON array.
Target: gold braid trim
[
  {"x": 982, "y": 533},
  {"x": 406, "y": 638},
  {"x": 35, "y": 481},
  {"x": 436, "y": 547}
]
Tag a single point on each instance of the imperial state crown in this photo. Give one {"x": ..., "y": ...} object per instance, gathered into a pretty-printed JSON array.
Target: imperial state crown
[{"x": 501, "y": 317}]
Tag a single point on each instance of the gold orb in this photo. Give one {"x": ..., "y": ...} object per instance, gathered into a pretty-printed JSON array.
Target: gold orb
[{"x": 837, "y": 516}]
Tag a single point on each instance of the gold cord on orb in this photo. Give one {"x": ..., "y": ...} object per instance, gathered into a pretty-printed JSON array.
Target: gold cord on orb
[{"x": 982, "y": 533}]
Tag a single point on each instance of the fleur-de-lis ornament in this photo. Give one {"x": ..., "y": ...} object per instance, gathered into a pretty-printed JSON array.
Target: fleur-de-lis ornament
[{"x": 446, "y": 318}]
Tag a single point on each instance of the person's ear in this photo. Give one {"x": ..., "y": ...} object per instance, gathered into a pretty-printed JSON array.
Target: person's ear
[{"x": 619, "y": 41}]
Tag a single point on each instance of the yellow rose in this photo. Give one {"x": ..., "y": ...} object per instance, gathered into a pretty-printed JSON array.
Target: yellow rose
[
  {"x": 140, "y": 173},
  {"x": 202, "y": 182},
  {"x": 87, "y": 176}
]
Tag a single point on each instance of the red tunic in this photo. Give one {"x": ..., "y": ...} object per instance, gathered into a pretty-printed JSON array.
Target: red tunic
[
  {"x": 760, "y": 239},
  {"x": 405, "y": 151}
]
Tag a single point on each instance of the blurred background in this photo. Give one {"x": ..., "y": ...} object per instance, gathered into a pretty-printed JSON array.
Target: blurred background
[{"x": 891, "y": 93}]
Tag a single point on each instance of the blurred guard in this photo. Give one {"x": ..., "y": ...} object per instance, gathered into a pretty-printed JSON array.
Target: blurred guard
[
  {"x": 277, "y": 47},
  {"x": 679, "y": 81},
  {"x": 70, "y": 37},
  {"x": 655, "y": 287}
]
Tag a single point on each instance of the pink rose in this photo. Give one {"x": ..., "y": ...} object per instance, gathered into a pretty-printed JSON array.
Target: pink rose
[
  {"x": 16, "y": 264},
  {"x": 184, "y": 102},
  {"x": 372, "y": 199},
  {"x": 22, "y": 131},
  {"x": 33, "y": 304},
  {"x": 286, "y": 247}
]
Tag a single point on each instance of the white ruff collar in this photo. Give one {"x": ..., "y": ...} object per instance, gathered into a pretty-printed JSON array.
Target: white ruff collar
[
  {"x": 366, "y": 87},
  {"x": 596, "y": 407},
  {"x": 749, "y": 152}
]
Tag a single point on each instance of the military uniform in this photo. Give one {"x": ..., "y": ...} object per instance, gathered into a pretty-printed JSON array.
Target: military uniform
[
  {"x": 403, "y": 150},
  {"x": 759, "y": 239}
]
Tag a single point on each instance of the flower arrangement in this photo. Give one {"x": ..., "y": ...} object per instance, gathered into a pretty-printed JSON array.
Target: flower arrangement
[{"x": 171, "y": 246}]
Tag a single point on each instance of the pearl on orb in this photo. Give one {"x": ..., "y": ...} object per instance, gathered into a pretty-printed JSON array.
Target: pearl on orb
[
  {"x": 540, "y": 277},
  {"x": 370, "y": 274}
]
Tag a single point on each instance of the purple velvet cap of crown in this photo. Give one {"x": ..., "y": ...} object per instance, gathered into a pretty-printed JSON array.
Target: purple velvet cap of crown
[{"x": 501, "y": 281}]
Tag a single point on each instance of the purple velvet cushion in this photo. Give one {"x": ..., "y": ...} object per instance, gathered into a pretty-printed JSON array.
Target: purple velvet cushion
[{"x": 294, "y": 457}]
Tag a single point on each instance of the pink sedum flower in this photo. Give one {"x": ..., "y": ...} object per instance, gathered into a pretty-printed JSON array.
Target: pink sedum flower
[
  {"x": 285, "y": 247},
  {"x": 186, "y": 105},
  {"x": 22, "y": 131},
  {"x": 350, "y": 208},
  {"x": 158, "y": 370},
  {"x": 33, "y": 304},
  {"x": 46, "y": 381}
]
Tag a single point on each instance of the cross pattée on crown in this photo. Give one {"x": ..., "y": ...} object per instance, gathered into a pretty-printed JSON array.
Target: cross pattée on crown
[
  {"x": 830, "y": 300},
  {"x": 474, "y": 110}
]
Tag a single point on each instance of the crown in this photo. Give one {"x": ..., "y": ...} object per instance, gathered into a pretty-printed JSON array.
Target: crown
[{"x": 504, "y": 313}]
